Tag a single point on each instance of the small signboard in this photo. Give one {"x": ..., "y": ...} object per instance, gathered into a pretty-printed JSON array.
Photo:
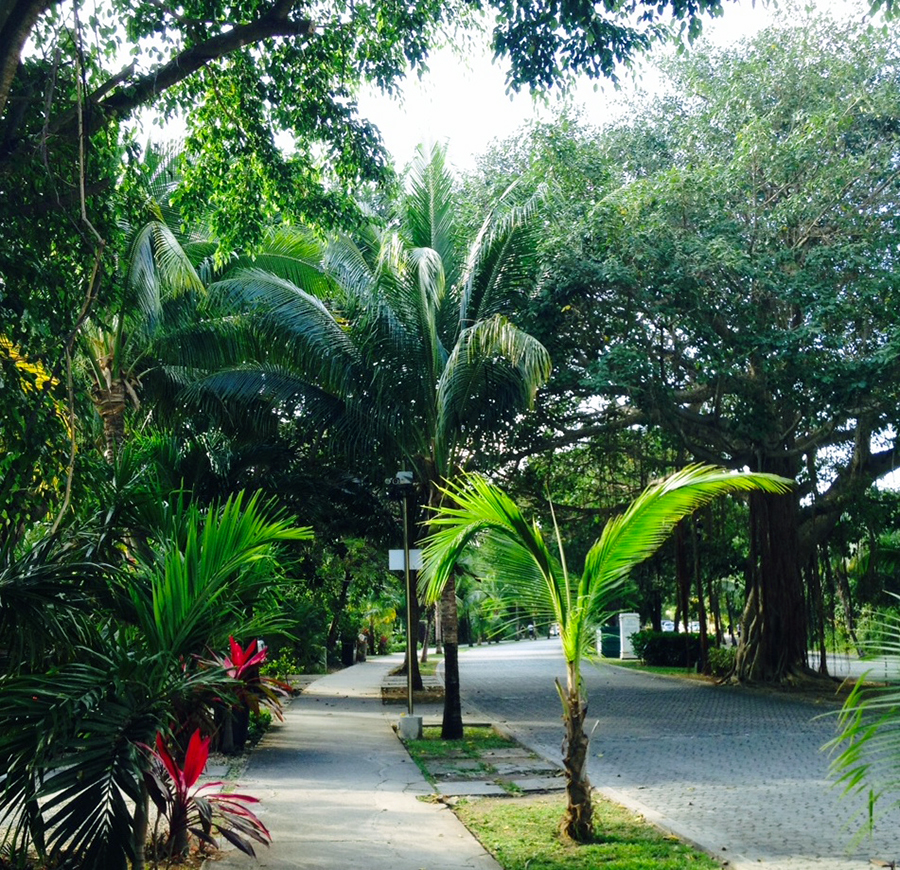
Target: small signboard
[
  {"x": 629, "y": 624},
  {"x": 395, "y": 560}
]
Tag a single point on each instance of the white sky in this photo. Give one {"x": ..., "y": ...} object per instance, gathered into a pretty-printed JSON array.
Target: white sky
[{"x": 462, "y": 100}]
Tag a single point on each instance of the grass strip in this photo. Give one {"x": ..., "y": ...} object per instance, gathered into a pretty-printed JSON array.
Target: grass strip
[
  {"x": 521, "y": 831},
  {"x": 522, "y": 834}
]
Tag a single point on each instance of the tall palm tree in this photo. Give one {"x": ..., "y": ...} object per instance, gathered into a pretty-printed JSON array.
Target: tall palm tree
[
  {"x": 394, "y": 345},
  {"x": 539, "y": 578}
]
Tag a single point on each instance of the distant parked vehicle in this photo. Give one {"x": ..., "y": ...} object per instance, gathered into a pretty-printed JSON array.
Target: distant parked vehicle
[{"x": 668, "y": 625}]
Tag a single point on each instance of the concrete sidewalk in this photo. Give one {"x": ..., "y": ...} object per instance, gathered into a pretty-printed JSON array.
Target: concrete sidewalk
[{"x": 339, "y": 791}]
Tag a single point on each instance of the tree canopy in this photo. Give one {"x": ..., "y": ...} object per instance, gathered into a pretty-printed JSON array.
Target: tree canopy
[{"x": 735, "y": 259}]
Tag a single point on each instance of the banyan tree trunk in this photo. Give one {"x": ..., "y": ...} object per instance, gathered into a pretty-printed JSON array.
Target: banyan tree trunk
[
  {"x": 773, "y": 636},
  {"x": 578, "y": 822}
]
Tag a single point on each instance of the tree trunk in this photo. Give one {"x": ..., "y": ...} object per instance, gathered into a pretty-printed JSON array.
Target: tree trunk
[
  {"x": 773, "y": 637},
  {"x": 428, "y": 621},
  {"x": 703, "y": 664},
  {"x": 817, "y": 609},
  {"x": 418, "y": 685},
  {"x": 578, "y": 822},
  {"x": 141, "y": 826},
  {"x": 452, "y": 725},
  {"x": 439, "y": 632},
  {"x": 841, "y": 584},
  {"x": 340, "y": 604},
  {"x": 683, "y": 578},
  {"x": 110, "y": 403}
]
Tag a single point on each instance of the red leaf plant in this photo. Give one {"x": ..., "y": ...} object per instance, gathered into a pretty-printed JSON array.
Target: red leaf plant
[
  {"x": 191, "y": 810},
  {"x": 243, "y": 665}
]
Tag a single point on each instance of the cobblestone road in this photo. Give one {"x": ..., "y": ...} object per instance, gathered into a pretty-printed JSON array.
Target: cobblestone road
[{"x": 740, "y": 772}]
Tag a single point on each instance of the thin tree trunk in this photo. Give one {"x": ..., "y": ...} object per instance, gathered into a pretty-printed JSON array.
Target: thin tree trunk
[
  {"x": 842, "y": 585},
  {"x": 418, "y": 685},
  {"x": 141, "y": 826},
  {"x": 452, "y": 725},
  {"x": 817, "y": 609},
  {"x": 683, "y": 577},
  {"x": 428, "y": 622},
  {"x": 578, "y": 821},
  {"x": 703, "y": 664},
  {"x": 339, "y": 606},
  {"x": 439, "y": 632}
]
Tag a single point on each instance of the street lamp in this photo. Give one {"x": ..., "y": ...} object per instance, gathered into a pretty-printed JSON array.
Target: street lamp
[{"x": 400, "y": 487}]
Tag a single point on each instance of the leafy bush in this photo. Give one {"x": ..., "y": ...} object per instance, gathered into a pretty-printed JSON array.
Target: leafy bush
[
  {"x": 721, "y": 660},
  {"x": 259, "y": 723},
  {"x": 666, "y": 648},
  {"x": 283, "y": 665}
]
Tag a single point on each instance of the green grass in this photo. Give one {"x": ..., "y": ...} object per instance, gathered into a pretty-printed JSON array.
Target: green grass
[
  {"x": 636, "y": 665},
  {"x": 521, "y": 833},
  {"x": 429, "y": 668},
  {"x": 475, "y": 741}
]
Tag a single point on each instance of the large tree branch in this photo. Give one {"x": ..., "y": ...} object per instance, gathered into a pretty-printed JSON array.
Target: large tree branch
[
  {"x": 127, "y": 96},
  {"x": 820, "y": 517},
  {"x": 17, "y": 18}
]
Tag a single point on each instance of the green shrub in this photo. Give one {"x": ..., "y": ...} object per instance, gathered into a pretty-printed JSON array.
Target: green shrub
[
  {"x": 666, "y": 648},
  {"x": 721, "y": 660},
  {"x": 259, "y": 724},
  {"x": 283, "y": 665}
]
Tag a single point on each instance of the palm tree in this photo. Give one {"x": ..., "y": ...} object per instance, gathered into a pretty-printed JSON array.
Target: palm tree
[
  {"x": 160, "y": 271},
  {"x": 394, "y": 346},
  {"x": 482, "y": 513}
]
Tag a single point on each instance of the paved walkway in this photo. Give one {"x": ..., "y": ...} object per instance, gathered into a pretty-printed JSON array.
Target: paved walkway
[{"x": 338, "y": 790}]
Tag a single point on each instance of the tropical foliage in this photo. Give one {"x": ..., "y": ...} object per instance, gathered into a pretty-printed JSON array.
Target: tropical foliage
[
  {"x": 190, "y": 810},
  {"x": 866, "y": 749},
  {"x": 114, "y": 657},
  {"x": 394, "y": 342}
]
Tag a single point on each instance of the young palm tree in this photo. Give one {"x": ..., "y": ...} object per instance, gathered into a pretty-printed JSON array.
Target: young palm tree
[
  {"x": 539, "y": 578},
  {"x": 393, "y": 346}
]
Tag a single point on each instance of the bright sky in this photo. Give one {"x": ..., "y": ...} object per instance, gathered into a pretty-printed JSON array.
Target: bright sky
[{"x": 462, "y": 100}]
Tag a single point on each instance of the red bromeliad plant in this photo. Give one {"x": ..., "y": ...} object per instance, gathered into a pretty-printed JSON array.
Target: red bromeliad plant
[
  {"x": 251, "y": 691},
  {"x": 243, "y": 665},
  {"x": 191, "y": 810}
]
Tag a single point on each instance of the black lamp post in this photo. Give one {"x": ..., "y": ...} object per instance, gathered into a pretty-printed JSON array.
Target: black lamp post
[{"x": 400, "y": 488}]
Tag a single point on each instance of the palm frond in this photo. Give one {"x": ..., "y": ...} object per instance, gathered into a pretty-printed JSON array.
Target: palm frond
[
  {"x": 294, "y": 254},
  {"x": 287, "y": 315},
  {"x": 158, "y": 268},
  {"x": 492, "y": 374},
  {"x": 46, "y": 594},
  {"x": 635, "y": 535},
  {"x": 429, "y": 219},
  {"x": 866, "y": 748},
  {"x": 210, "y": 573},
  {"x": 500, "y": 261},
  {"x": 479, "y": 508}
]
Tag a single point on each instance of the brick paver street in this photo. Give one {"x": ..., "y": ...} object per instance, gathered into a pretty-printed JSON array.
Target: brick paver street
[{"x": 739, "y": 771}]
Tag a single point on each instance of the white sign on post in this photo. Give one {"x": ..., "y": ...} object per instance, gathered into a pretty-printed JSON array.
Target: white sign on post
[
  {"x": 395, "y": 560},
  {"x": 629, "y": 624}
]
